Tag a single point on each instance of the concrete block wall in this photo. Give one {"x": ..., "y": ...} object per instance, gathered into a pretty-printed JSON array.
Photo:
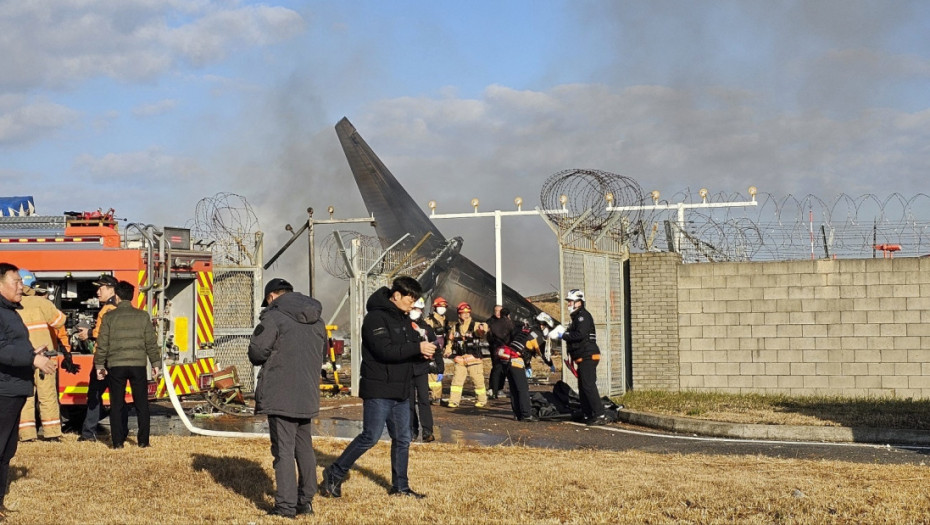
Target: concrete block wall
[
  {"x": 654, "y": 320},
  {"x": 841, "y": 327}
]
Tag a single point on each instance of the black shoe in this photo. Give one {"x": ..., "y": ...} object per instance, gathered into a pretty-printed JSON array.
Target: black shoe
[
  {"x": 599, "y": 420},
  {"x": 306, "y": 508},
  {"x": 278, "y": 512},
  {"x": 115, "y": 446},
  {"x": 145, "y": 445},
  {"x": 428, "y": 438},
  {"x": 91, "y": 439},
  {"x": 331, "y": 487},
  {"x": 406, "y": 492},
  {"x": 530, "y": 419}
]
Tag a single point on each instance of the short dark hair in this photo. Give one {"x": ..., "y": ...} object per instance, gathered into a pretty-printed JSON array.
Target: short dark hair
[
  {"x": 505, "y": 312},
  {"x": 407, "y": 286},
  {"x": 124, "y": 290},
  {"x": 7, "y": 267}
]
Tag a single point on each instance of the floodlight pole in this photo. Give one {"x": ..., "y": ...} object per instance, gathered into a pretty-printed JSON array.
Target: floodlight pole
[
  {"x": 497, "y": 214},
  {"x": 681, "y": 207}
]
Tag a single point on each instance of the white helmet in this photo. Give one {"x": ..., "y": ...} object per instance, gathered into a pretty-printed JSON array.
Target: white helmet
[
  {"x": 575, "y": 295},
  {"x": 421, "y": 304},
  {"x": 543, "y": 317}
]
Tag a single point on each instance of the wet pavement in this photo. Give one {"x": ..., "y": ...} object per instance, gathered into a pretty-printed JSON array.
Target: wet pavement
[{"x": 340, "y": 418}]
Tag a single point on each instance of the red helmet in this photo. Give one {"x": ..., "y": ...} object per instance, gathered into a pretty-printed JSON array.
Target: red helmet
[
  {"x": 439, "y": 301},
  {"x": 463, "y": 307}
]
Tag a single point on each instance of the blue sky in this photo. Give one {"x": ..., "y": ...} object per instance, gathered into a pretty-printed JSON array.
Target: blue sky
[{"x": 147, "y": 106}]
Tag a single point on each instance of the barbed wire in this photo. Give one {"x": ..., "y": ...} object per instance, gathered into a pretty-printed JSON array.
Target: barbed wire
[
  {"x": 776, "y": 228},
  {"x": 228, "y": 221}
]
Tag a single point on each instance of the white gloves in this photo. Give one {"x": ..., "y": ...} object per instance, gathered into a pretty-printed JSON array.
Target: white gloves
[{"x": 556, "y": 333}]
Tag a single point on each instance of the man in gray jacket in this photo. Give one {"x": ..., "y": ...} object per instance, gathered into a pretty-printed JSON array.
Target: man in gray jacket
[{"x": 289, "y": 343}]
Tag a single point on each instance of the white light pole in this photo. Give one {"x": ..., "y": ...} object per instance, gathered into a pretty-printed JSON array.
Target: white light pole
[
  {"x": 497, "y": 214},
  {"x": 681, "y": 207}
]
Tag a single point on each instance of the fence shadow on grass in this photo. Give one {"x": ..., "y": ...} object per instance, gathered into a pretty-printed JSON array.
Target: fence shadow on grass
[{"x": 243, "y": 476}]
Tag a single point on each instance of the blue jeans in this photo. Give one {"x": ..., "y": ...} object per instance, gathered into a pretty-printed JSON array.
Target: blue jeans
[{"x": 375, "y": 414}]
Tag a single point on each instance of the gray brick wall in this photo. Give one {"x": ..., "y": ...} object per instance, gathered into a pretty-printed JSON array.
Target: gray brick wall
[
  {"x": 654, "y": 295},
  {"x": 841, "y": 327}
]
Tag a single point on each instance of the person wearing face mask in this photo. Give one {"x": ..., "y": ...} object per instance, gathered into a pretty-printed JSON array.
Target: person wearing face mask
[
  {"x": 421, "y": 415},
  {"x": 584, "y": 352},
  {"x": 544, "y": 324},
  {"x": 440, "y": 325}
]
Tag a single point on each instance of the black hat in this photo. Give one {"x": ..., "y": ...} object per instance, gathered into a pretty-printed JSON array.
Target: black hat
[
  {"x": 106, "y": 280},
  {"x": 275, "y": 285}
]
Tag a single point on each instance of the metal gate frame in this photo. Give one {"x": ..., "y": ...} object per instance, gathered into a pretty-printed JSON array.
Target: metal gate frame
[
  {"x": 237, "y": 304},
  {"x": 596, "y": 266}
]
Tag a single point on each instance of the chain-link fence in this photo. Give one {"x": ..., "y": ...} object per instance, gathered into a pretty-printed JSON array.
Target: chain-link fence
[{"x": 236, "y": 300}]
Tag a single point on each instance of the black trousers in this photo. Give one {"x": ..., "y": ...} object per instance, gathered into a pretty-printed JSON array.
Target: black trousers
[
  {"x": 591, "y": 404},
  {"x": 519, "y": 392},
  {"x": 419, "y": 402},
  {"x": 117, "y": 376},
  {"x": 498, "y": 373},
  {"x": 292, "y": 443},
  {"x": 10, "y": 409}
]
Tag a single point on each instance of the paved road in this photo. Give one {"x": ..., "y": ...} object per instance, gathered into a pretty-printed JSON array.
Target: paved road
[{"x": 495, "y": 426}]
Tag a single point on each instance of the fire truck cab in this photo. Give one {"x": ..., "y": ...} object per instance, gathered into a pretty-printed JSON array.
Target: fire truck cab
[{"x": 172, "y": 274}]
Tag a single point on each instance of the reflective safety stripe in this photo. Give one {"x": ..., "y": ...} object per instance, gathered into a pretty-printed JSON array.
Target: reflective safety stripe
[
  {"x": 479, "y": 391},
  {"x": 25, "y": 424},
  {"x": 51, "y": 422},
  {"x": 455, "y": 389}
]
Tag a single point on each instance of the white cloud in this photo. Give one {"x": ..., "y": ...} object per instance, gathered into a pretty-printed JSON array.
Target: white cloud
[
  {"x": 24, "y": 121},
  {"x": 155, "y": 108},
  {"x": 58, "y": 44}
]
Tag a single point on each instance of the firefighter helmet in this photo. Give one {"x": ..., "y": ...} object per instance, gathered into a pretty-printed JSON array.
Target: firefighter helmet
[
  {"x": 575, "y": 295},
  {"x": 546, "y": 319},
  {"x": 439, "y": 301},
  {"x": 463, "y": 307}
]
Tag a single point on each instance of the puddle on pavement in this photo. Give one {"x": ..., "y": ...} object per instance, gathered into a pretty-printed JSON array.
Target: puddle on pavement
[{"x": 166, "y": 422}]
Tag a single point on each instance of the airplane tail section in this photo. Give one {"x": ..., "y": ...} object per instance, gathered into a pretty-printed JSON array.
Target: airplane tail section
[{"x": 394, "y": 210}]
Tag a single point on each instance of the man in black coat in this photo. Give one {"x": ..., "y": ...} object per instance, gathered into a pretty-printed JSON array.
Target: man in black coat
[
  {"x": 17, "y": 361},
  {"x": 500, "y": 332},
  {"x": 390, "y": 348},
  {"x": 584, "y": 352},
  {"x": 289, "y": 344}
]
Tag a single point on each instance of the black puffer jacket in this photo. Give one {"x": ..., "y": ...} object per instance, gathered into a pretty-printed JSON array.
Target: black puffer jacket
[
  {"x": 289, "y": 343},
  {"x": 16, "y": 353},
  {"x": 580, "y": 335},
  {"x": 390, "y": 348}
]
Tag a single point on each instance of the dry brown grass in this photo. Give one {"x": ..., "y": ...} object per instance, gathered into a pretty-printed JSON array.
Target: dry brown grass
[
  {"x": 785, "y": 410},
  {"x": 204, "y": 480}
]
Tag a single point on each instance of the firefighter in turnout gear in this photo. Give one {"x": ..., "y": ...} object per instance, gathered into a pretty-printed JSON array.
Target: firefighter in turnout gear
[
  {"x": 463, "y": 344},
  {"x": 43, "y": 320},
  {"x": 584, "y": 352},
  {"x": 515, "y": 357},
  {"x": 440, "y": 325}
]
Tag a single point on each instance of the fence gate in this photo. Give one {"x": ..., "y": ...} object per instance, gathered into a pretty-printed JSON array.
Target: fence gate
[
  {"x": 237, "y": 299},
  {"x": 600, "y": 274}
]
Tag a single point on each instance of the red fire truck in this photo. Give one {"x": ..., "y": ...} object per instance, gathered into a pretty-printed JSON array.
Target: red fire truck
[{"x": 173, "y": 278}]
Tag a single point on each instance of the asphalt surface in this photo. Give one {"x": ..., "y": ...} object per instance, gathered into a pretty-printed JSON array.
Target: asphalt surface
[{"x": 340, "y": 418}]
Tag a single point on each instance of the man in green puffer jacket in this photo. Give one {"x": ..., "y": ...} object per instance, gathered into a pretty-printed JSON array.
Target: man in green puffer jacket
[{"x": 125, "y": 345}]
